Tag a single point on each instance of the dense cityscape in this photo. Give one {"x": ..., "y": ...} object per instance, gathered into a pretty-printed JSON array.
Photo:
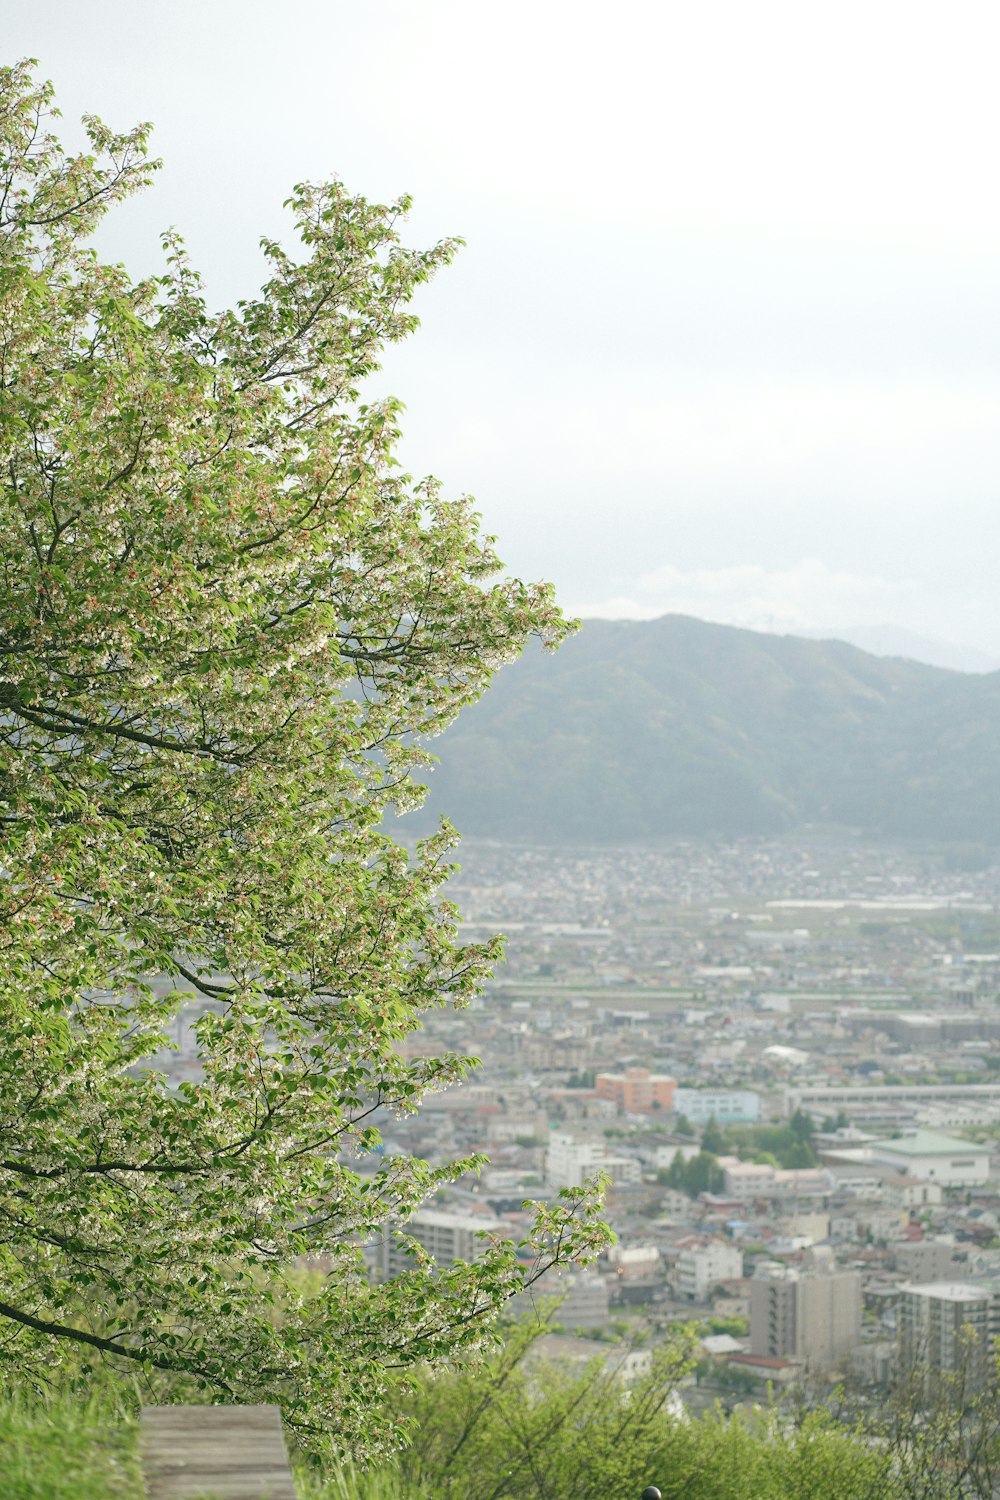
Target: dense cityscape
[{"x": 785, "y": 1057}]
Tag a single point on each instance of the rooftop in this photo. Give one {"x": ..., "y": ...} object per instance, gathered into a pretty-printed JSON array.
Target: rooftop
[
  {"x": 931, "y": 1143},
  {"x": 949, "y": 1291}
]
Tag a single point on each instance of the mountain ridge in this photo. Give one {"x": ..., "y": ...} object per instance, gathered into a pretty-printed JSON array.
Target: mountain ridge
[
  {"x": 896, "y": 641},
  {"x": 680, "y": 727}
]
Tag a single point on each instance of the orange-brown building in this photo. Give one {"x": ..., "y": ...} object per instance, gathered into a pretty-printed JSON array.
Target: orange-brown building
[{"x": 637, "y": 1090}]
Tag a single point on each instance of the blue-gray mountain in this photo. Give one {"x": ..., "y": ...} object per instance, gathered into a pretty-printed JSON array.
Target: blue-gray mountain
[{"x": 675, "y": 727}]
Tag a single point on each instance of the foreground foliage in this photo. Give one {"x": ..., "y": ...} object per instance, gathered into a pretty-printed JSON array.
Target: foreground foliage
[
  {"x": 518, "y": 1427},
  {"x": 523, "y": 1428},
  {"x": 581, "y": 1441},
  {"x": 227, "y": 627}
]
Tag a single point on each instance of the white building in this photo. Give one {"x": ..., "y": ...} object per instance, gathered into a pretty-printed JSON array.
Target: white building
[
  {"x": 570, "y": 1162},
  {"x": 944, "y": 1159},
  {"x": 728, "y": 1106},
  {"x": 446, "y": 1235},
  {"x": 635, "y": 1262},
  {"x": 700, "y": 1267},
  {"x": 746, "y": 1180},
  {"x": 658, "y": 1157},
  {"x": 912, "y": 1192},
  {"x": 623, "y": 1170},
  {"x": 857, "y": 1179}
]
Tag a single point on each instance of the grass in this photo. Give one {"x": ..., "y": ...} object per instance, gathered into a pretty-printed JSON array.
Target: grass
[
  {"x": 67, "y": 1449},
  {"x": 348, "y": 1483},
  {"x": 71, "y": 1448}
]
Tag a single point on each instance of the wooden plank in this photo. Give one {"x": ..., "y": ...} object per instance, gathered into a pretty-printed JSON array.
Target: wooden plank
[{"x": 225, "y": 1452}]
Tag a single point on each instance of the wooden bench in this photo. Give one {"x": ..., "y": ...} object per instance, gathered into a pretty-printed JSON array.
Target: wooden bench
[{"x": 225, "y": 1452}]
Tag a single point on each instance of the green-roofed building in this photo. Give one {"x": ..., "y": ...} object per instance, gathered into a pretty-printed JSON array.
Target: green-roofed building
[{"x": 935, "y": 1157}]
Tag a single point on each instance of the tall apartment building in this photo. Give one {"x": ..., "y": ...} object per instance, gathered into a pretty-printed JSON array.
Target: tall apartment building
[
  {"x": 815, "y": 1315},
  {"x": 637, "y": 1090},
  {"x": 949, "y": 1326}
]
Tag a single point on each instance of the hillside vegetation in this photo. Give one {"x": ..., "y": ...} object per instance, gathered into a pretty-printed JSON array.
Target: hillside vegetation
[
  {"x": 519, "y": 1428},
  {"x": 675, "y": 727}
]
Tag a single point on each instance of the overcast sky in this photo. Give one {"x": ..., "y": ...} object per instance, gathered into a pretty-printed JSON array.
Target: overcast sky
[{"x": 724, "y": 339}]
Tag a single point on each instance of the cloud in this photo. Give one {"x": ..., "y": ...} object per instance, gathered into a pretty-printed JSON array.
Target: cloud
[{"x": 809, "y": 595}]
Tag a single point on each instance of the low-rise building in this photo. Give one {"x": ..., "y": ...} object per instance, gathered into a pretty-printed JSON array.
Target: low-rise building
[
  {"x": 908, "y": 1192},
  {"x": 626, "y": 1365},
  {"x": 746, "y": 1180},
  {"x": 635, "y": 1262},
  {"x": 930, "y": 1156},
  {"x": 583, "y": 1299},
  {"x": 727, "y": 1106},
  {"x": 446, "y": 1235},
  {"x": 867, "y": 1221},
  {"x": 637, "y": 1090}
]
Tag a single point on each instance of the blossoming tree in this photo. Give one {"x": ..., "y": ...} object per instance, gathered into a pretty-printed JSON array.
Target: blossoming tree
[{"x": 228, "y": 625}]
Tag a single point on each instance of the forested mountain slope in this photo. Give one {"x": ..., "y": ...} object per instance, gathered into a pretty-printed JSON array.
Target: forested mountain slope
[{"x": 677, "y": 727}]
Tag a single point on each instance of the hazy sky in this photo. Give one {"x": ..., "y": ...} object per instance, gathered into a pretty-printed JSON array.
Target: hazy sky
[{"x": 725, "y": 336}]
